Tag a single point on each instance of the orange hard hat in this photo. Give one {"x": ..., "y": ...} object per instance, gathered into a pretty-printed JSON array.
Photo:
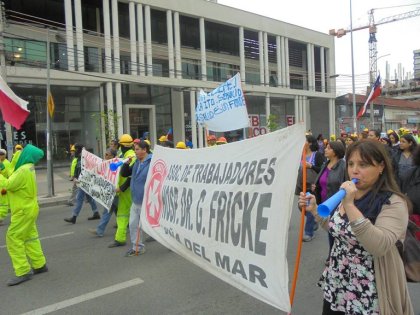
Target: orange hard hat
[
  {"x": 211, "y": 137},
  {"x": 221, "y": 140}
]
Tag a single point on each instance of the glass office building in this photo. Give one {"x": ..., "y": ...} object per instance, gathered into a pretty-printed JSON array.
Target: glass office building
[{"x": 120, "y": 66}]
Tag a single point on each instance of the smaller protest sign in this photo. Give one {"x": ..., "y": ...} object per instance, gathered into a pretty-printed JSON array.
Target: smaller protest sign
[
  {"x": 224, "y": 108},
  {"x": 96, "y": 178}
]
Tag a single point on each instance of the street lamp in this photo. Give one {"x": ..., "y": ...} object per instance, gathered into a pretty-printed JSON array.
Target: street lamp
[{"x": 353, "y": 84}]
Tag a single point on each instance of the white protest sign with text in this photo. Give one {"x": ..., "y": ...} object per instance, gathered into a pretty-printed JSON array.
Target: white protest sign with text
[
  {"x": 224, "y": 108},
  {"x": 227, "y": 209},
  {"x": 97, "y": 180}
]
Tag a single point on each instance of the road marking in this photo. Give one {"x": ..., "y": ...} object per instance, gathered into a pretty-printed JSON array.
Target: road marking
[
  {"x": 85, "y": 297},
  {"x": 47, "y": 237}
]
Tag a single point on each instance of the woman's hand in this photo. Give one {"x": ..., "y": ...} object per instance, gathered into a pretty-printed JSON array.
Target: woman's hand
[
  {"x": 351, "y": 190},
  {"x": 308, "y": 201}
]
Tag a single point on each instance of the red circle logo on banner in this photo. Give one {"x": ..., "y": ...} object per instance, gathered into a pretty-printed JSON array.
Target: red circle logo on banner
[{"x": 153, "y": 190}]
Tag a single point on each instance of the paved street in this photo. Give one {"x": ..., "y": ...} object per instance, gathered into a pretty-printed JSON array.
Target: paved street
[{"x": 86, "y": 277}]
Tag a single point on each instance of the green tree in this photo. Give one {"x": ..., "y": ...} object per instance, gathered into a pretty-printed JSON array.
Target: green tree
[
  {"x": 110, "y": 121},
  {"x": 272, "y": 124}
]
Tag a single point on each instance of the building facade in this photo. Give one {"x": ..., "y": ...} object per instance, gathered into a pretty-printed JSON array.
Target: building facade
[
  {"x": 388, "y": 113},
  {"x": 120, "y": 66}
]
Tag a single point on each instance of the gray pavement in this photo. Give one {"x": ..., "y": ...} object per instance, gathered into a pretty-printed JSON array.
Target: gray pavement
[{"x": 62, "y": 186}]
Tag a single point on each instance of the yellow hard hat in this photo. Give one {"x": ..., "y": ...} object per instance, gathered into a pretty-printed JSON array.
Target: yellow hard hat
[
  {"x": 163, "y": 139},
  {"x": 72, "y": 148},
  {"x": 147, "y": 141},
  {"x": 332, "y": 137},
  {"x": 406, "y": 131},
  {"x": 126, "y": 140},
  {"x": 18, "y": 147},
  {"x": 181, "y": 145},
  {"x": 389, "y": 131},
  {"x": 366, "y": 130}
]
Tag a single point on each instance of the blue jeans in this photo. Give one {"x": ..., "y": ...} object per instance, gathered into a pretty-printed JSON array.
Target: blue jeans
[
  {"x": 106, "y": 216},
  {"x": 80, "y": 196},
  {"x": 309, "y": 224}
]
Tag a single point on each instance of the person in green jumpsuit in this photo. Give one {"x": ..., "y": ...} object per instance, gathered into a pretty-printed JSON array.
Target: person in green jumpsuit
[
  {"x": 22, "y": 239},
  {"x": 4, "y": 199},
  {"x": 15, "y": 156},
  {"x": 124, "y": 194}
]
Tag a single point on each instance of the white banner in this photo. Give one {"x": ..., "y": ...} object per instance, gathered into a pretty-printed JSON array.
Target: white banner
[
  {"x": 224, "y": 108},
  {"x": 97, "y": 180},
  {"x": 227, "y": 209}
]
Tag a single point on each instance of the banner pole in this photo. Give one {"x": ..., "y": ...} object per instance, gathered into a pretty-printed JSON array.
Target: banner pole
[{"x": 302, "y": 224}]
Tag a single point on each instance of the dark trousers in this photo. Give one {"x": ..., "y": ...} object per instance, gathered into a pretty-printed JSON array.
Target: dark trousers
[{"x": 326, "y": 309}]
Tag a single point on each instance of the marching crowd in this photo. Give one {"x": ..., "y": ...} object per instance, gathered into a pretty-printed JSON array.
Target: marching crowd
[{"x": 364, "y": 272}]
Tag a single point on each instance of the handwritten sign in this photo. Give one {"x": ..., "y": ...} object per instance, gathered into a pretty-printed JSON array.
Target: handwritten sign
[
  {"x": 97, "y": 180},
  {"x": 224, "y": 108}
]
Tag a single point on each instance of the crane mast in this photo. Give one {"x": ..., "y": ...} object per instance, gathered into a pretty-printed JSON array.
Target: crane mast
[{"x": 373, "y": 52}]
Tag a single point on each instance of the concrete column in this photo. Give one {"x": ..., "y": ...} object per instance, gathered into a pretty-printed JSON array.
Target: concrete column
[
  {"x": 193, "y": 120},
  {"x": 133, "y": 38},
  {"x": 178, "y": 64},
  {"x": 140, "y": 33},
  {"x": 203, "y": 50},
  {"x": 313, "y": 66},
  {"x": 110, "y": 107},
  {"x": 309, "y": 66},
  {"x": 332, "y": 120},
  {"x": 107, "y": 37},
  {"x": 267, "y": 105},
  {"x": 305, "y": 112},
  {"x": 118, "y": 103},
  {"x": 286, "y": 62},
  {"x": 169, "y": 26},
  {"x": 149, "y": 58},
  {"x": 178, "y": 119},
  {"x": 116, "y": 36},
  {"x": 266, "y": 68},
  {"x": 322, "y": 74},
  {"x": 69, "y": 34},
  {"x": 79, "y": 36},
  {"x": 261, "y": 56},
  {"x": 242, "y": 54},
  {"x": 279, "y": 63},
  {"x": 297, "y": 111}
]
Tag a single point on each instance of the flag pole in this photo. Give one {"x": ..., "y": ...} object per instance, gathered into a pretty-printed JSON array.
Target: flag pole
[{"x": 50, "y": 175}]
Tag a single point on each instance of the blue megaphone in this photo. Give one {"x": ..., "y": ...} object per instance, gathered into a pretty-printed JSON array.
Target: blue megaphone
[
  {"x": 115, "y": 165},
  {"x": 325, "y": 208}
]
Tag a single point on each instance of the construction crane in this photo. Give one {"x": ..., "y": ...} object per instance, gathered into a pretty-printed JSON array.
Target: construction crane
[{"x": 373, "y": 52}]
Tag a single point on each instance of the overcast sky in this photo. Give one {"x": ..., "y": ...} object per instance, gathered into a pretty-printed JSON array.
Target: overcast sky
[{"x": 398, "y": 39}]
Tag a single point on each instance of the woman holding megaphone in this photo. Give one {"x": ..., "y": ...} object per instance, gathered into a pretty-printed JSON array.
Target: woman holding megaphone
[{"x": 365, "y": 274}]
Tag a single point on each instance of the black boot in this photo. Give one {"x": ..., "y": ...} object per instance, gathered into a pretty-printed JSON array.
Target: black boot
[
  {"x": 95, "y": 216},
  {"x": 71, "y": 220}
]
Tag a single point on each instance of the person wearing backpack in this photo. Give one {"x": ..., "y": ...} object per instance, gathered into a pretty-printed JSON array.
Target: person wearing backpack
[{"x": 365, "y": 274}]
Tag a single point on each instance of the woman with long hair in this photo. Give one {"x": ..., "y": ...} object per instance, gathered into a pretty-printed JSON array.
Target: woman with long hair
[
  {"x": 395, "y": 140},
  {"x": 365, "y": 274},
  {"x": 403, "y": 158}
]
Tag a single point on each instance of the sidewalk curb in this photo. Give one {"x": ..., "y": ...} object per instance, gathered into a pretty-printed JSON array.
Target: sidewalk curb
[{"x": 56, "y": 200}]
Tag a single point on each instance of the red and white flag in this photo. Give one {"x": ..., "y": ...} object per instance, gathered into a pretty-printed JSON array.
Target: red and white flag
[
  {"x": 374, "y": 93},
  {"x": 13, "y": 108}
]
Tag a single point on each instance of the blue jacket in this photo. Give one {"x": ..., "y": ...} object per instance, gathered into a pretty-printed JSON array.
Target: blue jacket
[{"x": 138, "y": 172}]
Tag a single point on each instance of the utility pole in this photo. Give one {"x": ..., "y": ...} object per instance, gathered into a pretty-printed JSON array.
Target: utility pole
[
  {"x": 50, "y": 175},
  {"x": 7, "y": 127}
]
